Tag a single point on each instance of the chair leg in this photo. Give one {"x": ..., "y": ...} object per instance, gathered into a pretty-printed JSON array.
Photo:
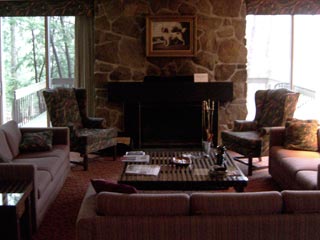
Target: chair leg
[
  {"x": 249, "y": 166},
  {"x": 115, "y": 152}
]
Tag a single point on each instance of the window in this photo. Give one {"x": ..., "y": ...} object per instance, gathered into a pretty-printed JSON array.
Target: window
[
  {"x": 26, "y": 71},
  {"x": 283, "y": 51}
]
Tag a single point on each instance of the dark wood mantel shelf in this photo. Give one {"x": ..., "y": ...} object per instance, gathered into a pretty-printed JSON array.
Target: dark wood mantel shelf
[
  {"x": 137, "y": 95},
  {"x": 169, "y": 92}
]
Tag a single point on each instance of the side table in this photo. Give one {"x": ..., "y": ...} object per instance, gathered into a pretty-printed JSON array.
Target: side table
[{"x": 15, "y": 210}]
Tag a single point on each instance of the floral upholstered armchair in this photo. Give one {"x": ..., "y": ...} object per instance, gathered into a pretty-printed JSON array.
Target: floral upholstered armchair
[
  {"x": 67, "y": 108},
  {"x": 251, "y": 138}
]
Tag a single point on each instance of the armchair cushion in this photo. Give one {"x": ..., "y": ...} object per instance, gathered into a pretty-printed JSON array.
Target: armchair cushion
[
  {"x": 277, "y": 106},
  {"x": 244, "y": 125},
  {"x": 36, "y": 142},
  {"x": 301, "y": 135},
  {"x": 63, "y": 108}
]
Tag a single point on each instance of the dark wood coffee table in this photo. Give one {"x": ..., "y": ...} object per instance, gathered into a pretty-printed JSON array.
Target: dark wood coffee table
[{"x": 192, "y": 177}]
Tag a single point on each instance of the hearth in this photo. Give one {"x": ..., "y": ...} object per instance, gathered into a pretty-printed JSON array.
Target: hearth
[{"x": 166, "y": 112}]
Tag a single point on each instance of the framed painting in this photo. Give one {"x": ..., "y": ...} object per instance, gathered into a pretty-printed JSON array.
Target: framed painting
[{"x": 170, "y": 36}]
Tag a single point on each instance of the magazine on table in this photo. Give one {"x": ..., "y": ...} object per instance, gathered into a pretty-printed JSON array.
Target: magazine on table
[
  {"x": 135, "y": 156},
  {"x": 152, "y": 170}
]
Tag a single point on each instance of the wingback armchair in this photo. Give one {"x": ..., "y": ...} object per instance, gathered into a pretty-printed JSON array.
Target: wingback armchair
[
  {"x": 251, "y": 138},
  {"x": 68, "y": 107}
]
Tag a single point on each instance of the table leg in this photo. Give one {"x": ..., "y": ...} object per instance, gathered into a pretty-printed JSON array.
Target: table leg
[{"x": 239, "y": 188}]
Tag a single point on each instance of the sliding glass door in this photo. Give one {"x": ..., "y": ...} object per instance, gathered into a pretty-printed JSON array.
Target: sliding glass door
[
  {"x": 36, "y": 52},
  {"x": 283, "y": 51}
]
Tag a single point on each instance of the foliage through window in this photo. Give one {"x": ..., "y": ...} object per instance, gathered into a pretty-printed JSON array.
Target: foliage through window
[{"x": 24, "y": 48}]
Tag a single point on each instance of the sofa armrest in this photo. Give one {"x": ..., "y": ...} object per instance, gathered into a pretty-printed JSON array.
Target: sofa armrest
[
  {"x": 13, "y": 171},
  {"x": 60, "y": 134},
  {"x": 86, "y": 215},
  {"x": 277, "y": 136},
  {"x": 21, "y": 172},
  {"x": 318, "y": 179},
  {"x": 88, "y": 205}
]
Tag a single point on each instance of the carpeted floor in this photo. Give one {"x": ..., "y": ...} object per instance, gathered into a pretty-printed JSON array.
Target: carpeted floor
[{"x": 59, "y": 222}]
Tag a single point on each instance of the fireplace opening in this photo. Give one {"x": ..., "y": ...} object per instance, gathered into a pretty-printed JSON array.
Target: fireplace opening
[{"x": 170, "y": 125}]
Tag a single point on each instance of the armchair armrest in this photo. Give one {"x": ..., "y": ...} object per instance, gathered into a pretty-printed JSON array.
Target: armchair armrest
[
  {"x": 60, "y": 134},
  {"x": 94, "y": 122},
  {"x": 244, "y": 125}
]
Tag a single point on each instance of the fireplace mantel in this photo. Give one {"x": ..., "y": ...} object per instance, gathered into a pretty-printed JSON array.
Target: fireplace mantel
[
  {"x": 167, "y": 92},
  {"x": 136, "y": 95}
]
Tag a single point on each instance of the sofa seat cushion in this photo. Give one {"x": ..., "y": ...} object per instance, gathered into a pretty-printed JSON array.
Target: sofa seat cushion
[
  {"x": 140, "y": 204},
  {"x": 50, "y": 164},
  {"x": 235, "y": 204},
  {"x": 279, "y": 152},
  {"x": 60, "y": 151},
  {"x": 13, "y": 136},
  {"x": 307, "y": 180},
  {"x": 5, "y": 152},
  {"x": 295, "y": 164},
  {"x": 43, "y": 180}
]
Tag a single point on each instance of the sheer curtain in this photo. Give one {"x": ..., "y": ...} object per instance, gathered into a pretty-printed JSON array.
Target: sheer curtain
[{"x": 84, "y": 58}]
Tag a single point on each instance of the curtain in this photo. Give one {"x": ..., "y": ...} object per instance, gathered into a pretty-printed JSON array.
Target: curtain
[
  {"x": 273, "y": 7},
  {"x": 84, "y": 58},
  {"x": 46, "y": 8}
]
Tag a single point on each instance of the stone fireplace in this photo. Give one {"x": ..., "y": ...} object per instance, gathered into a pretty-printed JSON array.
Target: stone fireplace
[
  {"x": 167, "y": 112},
  {"x": 120, "y": 55}
]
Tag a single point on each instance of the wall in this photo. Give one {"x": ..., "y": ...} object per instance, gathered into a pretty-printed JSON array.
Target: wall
[{"x": 120, "y": 49}]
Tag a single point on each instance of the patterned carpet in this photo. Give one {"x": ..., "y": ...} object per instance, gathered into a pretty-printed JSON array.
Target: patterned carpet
[{"x": 59, "y": 222}]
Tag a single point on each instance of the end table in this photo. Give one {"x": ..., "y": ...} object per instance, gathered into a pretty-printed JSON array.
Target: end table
[{"x": 15, "y": 209}]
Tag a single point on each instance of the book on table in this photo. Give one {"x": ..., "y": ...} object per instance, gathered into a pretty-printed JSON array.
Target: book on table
[
  {"x": 152, "y": 170},
  {"x": 135, "y": 156}
]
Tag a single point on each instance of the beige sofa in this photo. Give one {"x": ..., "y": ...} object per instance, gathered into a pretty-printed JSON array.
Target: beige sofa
[
  {"x": 46, "y": 169},
  {"x": 292, "y": 169},
  {"x": 262, "y": 215}
]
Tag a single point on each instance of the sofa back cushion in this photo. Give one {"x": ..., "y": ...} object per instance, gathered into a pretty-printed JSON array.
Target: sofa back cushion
[
  {"x": 120, "y": 204},
  {"x": 236, "y": 204},
  {"x": 13, "y": 136},
  {"x": 301, "y": 201},
  {"x": 5, "y": 152}
]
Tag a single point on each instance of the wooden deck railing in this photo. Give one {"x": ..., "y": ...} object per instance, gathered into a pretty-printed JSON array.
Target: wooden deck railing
[{"x": 29, "y": 103}]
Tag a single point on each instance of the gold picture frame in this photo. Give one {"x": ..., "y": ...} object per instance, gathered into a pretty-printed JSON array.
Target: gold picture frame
[{"x": 170, "y": 36}]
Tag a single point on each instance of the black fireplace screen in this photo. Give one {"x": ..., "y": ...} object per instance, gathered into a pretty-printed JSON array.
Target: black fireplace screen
[{"x": 166, "y": 125}]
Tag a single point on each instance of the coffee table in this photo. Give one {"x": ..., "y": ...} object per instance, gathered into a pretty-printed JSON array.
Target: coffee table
[{"x": 192, "y": 177}]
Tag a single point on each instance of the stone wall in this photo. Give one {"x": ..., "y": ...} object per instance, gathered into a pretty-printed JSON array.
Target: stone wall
[{"x": 120, "y": 53}]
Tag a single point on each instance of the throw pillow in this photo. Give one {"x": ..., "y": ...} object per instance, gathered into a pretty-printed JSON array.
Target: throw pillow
[
  {"x": 101, "y": 185},
  {"x": 301, "y": 135},
  {"x": 36, "y": 141}
]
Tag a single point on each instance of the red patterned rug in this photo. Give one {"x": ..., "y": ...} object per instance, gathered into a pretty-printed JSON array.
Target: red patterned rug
[{"x": 59, "y": 222}]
